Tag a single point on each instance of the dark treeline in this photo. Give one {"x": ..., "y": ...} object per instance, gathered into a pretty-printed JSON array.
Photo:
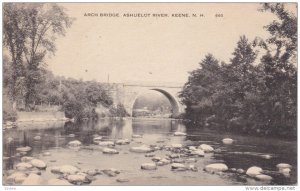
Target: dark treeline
[{"x": 256, "y": 92}]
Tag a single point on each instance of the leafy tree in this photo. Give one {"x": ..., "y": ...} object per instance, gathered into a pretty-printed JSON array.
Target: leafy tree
[
  {"x": 14, "y": 37},
  {"x": 279, "y": 65},
  {"x": 30, "y": 30}
]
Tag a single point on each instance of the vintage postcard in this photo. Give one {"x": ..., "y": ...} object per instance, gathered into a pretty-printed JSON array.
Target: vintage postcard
[{"x": 149, "y": 94}]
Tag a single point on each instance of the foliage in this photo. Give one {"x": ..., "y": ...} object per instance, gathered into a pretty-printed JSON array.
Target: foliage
[
  {"x": 30, "y": 30},
  {"x": 118, "y": 111},
  {"x": 250, "y": 94}
]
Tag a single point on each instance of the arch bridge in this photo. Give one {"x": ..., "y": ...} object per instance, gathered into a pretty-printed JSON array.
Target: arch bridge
[{"x": 127, "y": 93}]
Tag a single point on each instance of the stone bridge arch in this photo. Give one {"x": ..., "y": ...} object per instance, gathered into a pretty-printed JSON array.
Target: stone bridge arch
[
  {"x": 127, "y": 94},
  {"x": 172, "y": 99}
]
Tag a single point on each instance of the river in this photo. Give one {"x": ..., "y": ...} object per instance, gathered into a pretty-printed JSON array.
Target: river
[{"x": 246, "y": 151}]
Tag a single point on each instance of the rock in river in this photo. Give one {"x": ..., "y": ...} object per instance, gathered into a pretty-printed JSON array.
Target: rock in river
[
  {"x": 78, "y": 178},
  {"x": 206, "y": 148},
  {"x": 32, "y": 179},
  {"x": 141, "y": 149},
  {"x": 122, "y": 142},
  {"x": 179, "y": 134},
  {"x": 106, "y": 143},
  {"x": 23, "y": 149},
  {"x": 17, "y": 177},
  {"x": 38, "y": 163},
  {"x": 97, "y": 139},
  {"x": 283, "y": 165},
  {"x": 263, "y": 177},
  {"x": 192, "y": 148},
  {"x": 284, "y": 169},
  {"x": 176, "y": 146},
  {"x": 178, "y": 167},
  {"x": 37, "y": 138},
  {"x": 216, "y": 167},
  {"x": 198, "y": 152},
  {"x": 240, "y": 171},
  {"x": 156, "y": 159},
  {"x": 136, "y": 136},
  {"x": 46, "y": 154},
  {"x": 111, "y": 172},
  {"x": 75, "y": 143},
  {"x": 227, "y": 141},
  {"x": 23, "y": 166},
  {"x": 149, "y": 166},
  {"x": 65, "y": 169},
  {"x": 121, "y": 180},
  {"x": 254, "y": 171},
  {"x": 193, "y": 168},
  {"x": 110, "y": 151}
]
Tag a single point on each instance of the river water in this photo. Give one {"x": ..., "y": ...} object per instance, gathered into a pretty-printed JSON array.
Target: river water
[{"x": 246, "y": 151}]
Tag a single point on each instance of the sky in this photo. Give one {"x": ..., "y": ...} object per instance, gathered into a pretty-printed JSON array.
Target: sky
[{"x": 151, "y": 49}]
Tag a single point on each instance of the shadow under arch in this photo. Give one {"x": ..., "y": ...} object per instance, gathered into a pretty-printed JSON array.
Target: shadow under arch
[{"x": 174, "y": 103}]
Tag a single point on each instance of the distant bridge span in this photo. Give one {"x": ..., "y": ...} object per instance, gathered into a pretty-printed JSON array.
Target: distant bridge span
[{"x": 127, "y": 93}]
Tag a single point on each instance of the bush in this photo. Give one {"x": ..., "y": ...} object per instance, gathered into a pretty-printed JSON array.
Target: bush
[{"x": 9, "y": 115}]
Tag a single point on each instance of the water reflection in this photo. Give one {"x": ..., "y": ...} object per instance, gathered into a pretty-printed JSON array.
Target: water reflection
[{"x": 247, "y": 150}]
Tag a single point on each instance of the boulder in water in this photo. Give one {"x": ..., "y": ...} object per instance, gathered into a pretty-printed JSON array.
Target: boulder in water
[
  {"x": 110, "y": 151},
  {"x": 16, "y": 177},
  {"x": 37, "y": 138},
  {"x": 177, "y": 133},
  {"x": 178, "y": 167},
  {"x": 254, "y": 171},
  {"x": 136, "y": 136},
  {"x": 191, "y": 160},
  {"x": 198, "y": 152},
  {"x": 149, "y": 155},
  {"x": 23, "y": 166},
  {"x": 283, "y": 165},
  {"x": 33, "y": 179},
  {"x": 216, "y": 167},
  {"x": 111, "y": 172},
  {"x": 122, "y": 142},
  {"x": 192, "y": 148},
  {"x": 23, "y": 149},
  {"x": 97, "y": 139},
  {"x": 64, "y": 169},
  {"x": 121, "y": 180},
  {"x": 149, "y": 166},
  {"x": 141, "y": 149},
  {"x": 78, "y": 178},
  {"x": 240, "y": 171},
  {"x": 75, "y": 143},
  {"x": 206, "y": 148},
  {"x": 156, "y": 159},
  {"x": 227, "y": 141},
  {"x": 193, "y": 168},
  {"x": 106, "y": 143},
  {"x": 46, "y": 154},
  {"x": 176, "y": 146},
  {"x": 38, "y": 163},
  {"x": 263, "y": 177}
]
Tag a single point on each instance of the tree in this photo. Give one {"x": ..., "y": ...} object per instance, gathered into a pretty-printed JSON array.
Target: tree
[
  {"x": 30, "y": 30},
  {"x": 279, "y": 66},
  {"x": 197, "y": 93},
  {"x": 14, "y": 37}
]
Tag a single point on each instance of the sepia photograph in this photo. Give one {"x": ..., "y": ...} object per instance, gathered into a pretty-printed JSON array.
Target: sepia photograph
[{"x": 149, "y": 94}]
